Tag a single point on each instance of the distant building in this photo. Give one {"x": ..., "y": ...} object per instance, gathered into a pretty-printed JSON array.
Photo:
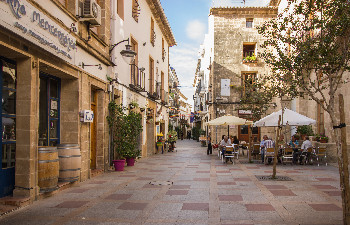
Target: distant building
[{"x": 228, "y": 59}]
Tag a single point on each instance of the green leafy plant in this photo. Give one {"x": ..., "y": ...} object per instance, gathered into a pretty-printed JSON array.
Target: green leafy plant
[
  {"x": 320, "y": 137},
  {"x": 172, "y": 136},
  {"x": 305, "y": 130},
  {"x": 132, "y": 154},
  {"x": 250, "y": 58},
  {"x": 124, "y": 130}
]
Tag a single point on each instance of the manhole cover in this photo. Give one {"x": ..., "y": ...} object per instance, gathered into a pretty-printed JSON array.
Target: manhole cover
[
  {"x": 161, "y": 183},
  {"x": 277, "y": 178}
]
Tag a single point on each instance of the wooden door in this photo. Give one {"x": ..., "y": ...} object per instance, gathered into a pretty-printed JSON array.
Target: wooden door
[
  {"x": 243, "y": 133},
  {"x": 93, "y": 132}
]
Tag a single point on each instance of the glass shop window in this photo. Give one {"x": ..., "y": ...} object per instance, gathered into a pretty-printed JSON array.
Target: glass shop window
[
  {"x": 8, "y": 114},
  {"x": 49, "y": 111}
]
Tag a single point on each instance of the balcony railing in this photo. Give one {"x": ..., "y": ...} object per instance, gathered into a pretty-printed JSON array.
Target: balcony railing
[
  {"x": 153, "y": 37},
  {"x": 164, "y": 97},
  {"x": 136, "y": 10},
  {"x": 137, "y": 78}
]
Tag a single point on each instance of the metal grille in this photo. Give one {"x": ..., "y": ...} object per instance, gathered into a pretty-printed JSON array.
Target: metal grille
[
  {"x": 277, "y": 178},
  {"x": 162, "y": 183}
]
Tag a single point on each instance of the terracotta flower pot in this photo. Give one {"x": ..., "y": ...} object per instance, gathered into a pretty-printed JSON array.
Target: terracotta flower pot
[{"x": 119, "y": 164}]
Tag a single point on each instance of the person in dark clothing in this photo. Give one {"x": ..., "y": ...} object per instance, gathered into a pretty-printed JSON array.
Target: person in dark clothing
[
  {"x": 235, "y": 140},
  {"x": 210, "y": 148}
]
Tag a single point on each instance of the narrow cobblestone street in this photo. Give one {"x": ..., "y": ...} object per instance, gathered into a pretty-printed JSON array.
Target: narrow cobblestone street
[{"x": 190, "y": 187}]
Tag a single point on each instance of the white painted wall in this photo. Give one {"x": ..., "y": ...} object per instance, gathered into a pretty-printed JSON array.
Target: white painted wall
[{"x": 139, "y": 31}]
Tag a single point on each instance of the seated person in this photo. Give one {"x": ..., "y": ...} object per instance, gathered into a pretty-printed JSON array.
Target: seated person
[
  {"x": 225, "y": 142},
  {"x": 268, "y": 143},
  {"x": 294, "y": 145},
  {"x": 235, "y": 140},
  {"x": 306, "y": 144}
]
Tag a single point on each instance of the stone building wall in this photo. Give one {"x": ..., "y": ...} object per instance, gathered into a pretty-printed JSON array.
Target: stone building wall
[{"x": 230, "y": 33}]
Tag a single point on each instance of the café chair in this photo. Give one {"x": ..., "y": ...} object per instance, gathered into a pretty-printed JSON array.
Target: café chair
[
  {"x": 269, "y": 154},
  {"x": 321, "y": 154},
  {"x": 229, "y": 154},
  {"x": 308, "y": 157},
  {"x": 256, "y": 150},
  {"x": 287, "y": 155}
]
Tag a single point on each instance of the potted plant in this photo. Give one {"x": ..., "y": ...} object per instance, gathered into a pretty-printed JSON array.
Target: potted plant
[
  {"x": 305, "y": 130},
  {"x": 130, "y": 156},
  {"x": 171, "y": 139},
  {"x": 124, "y": 130},
  {"x": 322, "y": 138},
  {"x": 249, "y": 59}
]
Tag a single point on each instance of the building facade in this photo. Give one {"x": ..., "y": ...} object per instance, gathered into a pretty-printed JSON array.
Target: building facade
[
  {"x": 146, "y": 80},
  {"x": 228, "y": 59},
  {"x": 60, "y": 67},
  {"x": 53, "y": 67}
]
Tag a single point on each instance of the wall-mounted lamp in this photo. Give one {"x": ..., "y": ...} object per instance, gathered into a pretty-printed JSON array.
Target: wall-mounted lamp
[
  {"x": 73, "y": 28},
  {"x": 128, "y": 54},
  {"x": 83, "y": 65}
]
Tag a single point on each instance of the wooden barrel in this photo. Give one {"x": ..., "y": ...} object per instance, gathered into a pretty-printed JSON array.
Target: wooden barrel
[
  {"x": 70, "y": 162},
  {"x": 48, "y": 167}
]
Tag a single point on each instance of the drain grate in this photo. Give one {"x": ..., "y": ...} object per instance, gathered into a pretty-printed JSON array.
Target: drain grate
[
  {"x": 251, "y": 163},
  {"x": 162, "y": 183},
  {"x": 277, "y": 178}
]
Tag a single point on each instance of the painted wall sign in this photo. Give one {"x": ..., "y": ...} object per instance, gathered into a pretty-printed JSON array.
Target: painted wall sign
[
  {"x": 225, "y": 87},
  {"x": 27, "y": 21}
]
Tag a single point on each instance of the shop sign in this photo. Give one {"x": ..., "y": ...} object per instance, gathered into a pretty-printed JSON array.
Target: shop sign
[
  {"x": 87, "y": 116},
  {"x": 27, "y": 21},
  {"x": 244, "y": 112}
]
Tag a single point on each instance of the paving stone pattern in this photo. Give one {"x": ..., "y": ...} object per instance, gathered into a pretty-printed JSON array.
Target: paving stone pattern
[{"x": 191, "y": 187}]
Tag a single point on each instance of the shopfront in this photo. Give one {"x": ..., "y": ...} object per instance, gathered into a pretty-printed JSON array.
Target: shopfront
[
  {"x": 43, "y": 91},
  {"x": 8, "y": 76}
]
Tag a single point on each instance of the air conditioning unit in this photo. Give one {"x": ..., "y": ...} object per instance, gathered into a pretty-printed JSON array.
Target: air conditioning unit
[{"x": 91, "y": 12}]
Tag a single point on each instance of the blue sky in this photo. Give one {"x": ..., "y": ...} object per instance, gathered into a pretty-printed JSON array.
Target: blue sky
[{"x": 188, "y": 20}]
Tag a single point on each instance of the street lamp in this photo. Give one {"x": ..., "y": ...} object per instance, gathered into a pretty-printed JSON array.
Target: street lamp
[{"x": 128, "y": 54}]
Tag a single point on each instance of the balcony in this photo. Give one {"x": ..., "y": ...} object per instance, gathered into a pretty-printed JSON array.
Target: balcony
[
  {"x": 137, "y": 78},
  {"x": 163, "y": 54},
  {"x": 153, "y": 37},
  {"x": 164, "y": 97},
  {"x": 155, "y": 95}
]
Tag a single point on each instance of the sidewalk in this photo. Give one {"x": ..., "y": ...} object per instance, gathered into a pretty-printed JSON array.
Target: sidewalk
[{"x": 190, "y": 187}]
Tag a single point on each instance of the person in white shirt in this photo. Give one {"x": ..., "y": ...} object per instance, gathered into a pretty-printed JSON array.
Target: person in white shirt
[
  {"x": 306, "y": 144},
  {"x": 269, "y": 144},
  {"x": 225, "y": 142}
]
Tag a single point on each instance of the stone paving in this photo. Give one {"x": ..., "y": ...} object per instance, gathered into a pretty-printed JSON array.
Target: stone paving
[{"x": 190, "y": 187}]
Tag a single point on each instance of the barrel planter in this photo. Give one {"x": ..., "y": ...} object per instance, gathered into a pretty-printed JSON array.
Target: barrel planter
[
  {"x": 48, "y": 168},
  {"x": 70, "y": 162}
]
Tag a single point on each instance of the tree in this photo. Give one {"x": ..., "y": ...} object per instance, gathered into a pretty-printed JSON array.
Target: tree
[{"x": 307, "y": 49}]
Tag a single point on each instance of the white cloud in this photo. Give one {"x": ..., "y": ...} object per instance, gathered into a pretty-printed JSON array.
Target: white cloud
[
  {"x": 195, "y": 30},
  {"x": 184, "y": 60}
]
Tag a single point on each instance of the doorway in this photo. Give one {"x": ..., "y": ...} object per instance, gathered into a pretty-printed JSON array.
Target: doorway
[
  {"x": 244, "y": 136},
  {"x": 8, "y": 78}
]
